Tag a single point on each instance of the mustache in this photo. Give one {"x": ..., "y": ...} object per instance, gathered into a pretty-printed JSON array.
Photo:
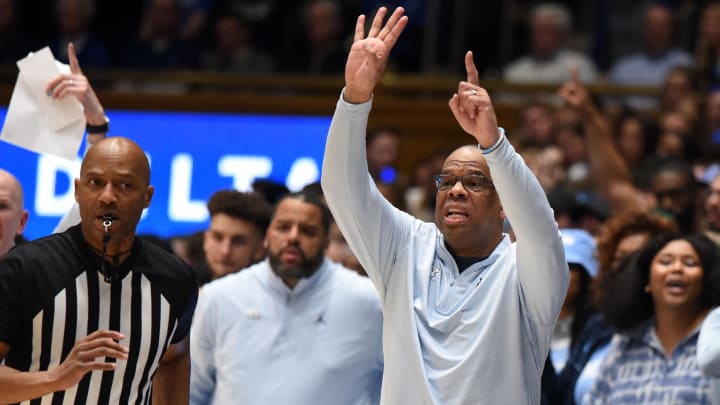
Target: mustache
[{"x": 294, "y": 247}]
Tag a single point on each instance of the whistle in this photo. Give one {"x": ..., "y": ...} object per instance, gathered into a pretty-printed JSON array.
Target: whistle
[{"x": 107, "y": 222}]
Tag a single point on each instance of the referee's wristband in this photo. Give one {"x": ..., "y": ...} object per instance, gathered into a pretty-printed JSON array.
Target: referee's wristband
[
  {"x": 98, "y": 129},
  {"x": 494, "y": 146}
]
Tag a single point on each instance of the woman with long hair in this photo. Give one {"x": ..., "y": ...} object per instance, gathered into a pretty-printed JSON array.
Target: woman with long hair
[{"x": 656, "y": 303}]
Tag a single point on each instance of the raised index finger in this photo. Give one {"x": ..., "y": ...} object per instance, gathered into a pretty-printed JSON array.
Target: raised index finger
[
  {"x": 72, "y": 58},
  {"x": 472, "y": 73}
]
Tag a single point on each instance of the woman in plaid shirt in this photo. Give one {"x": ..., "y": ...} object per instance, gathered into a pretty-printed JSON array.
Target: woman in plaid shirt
[{"x": 657, "y": 303}]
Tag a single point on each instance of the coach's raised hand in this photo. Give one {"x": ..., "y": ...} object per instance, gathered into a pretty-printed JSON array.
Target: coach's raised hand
[
  {"x": 472, "y": 107},
  {"x": 369, "y": 55}
]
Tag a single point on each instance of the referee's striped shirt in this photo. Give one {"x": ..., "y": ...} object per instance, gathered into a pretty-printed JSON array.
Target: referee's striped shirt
[{"x": 52, "y": 294}]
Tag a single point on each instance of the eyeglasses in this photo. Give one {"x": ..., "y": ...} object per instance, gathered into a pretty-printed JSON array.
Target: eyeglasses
[{"x": 476, "y": 183}]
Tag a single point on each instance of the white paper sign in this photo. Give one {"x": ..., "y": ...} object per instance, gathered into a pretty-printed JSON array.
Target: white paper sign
[{"x": 36, "y": 121}]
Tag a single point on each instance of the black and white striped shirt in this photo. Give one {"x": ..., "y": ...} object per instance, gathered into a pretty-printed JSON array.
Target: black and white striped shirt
[{"x": 52, "y": 294}]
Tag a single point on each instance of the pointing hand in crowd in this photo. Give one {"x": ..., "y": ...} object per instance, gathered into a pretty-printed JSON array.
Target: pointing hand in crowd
[{"x": 76, "y": 83}]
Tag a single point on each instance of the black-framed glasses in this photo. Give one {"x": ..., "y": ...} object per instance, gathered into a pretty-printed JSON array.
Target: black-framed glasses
[{"x": 477, "y": 183}]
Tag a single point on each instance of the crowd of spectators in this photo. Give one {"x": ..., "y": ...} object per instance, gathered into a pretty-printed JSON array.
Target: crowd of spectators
[
  {"x": 635, "y": 42},
  {"x": 240, "y": 36}
]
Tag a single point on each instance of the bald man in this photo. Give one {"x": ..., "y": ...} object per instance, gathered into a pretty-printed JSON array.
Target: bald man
[
  {"x": 87, "y": 315},
  {"x": 13, "y": 217},
  {"x": 468, "y": 313}
]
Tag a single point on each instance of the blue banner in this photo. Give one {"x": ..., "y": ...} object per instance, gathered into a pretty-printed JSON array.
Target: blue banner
[{"x": 192, "y": 155}]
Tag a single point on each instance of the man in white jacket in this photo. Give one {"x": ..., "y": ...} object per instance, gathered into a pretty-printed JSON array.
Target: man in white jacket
[
  {"x": 295, "y": 328},
  {"x": 468, "y": 315}
]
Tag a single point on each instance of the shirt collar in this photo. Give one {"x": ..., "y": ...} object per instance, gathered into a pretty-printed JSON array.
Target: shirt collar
[
  {"x": 647, "y": 334},
  {"x": 447, "y": 259},
  {"x": 93, "y": 259}
]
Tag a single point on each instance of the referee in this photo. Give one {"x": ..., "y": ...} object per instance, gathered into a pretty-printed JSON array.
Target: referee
[{"x": 88, "y": 315}]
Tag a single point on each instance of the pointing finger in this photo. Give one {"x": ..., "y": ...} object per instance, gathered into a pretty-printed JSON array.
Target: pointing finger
[
  {"x": 72, "y": 57},
  {"x": 472, "y": 73}
]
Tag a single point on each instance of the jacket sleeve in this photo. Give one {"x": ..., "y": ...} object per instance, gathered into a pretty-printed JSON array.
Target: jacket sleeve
[
  {"x": 202, "y": 352},
  {"x": 708, "y": 345},
  {"x": 542, "y": 271},
  {"x": 374, "y": 229}
]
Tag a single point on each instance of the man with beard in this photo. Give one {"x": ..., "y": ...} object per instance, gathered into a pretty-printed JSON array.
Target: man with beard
[
  {"x": 468, "y": 313},
  {"x": 293, "y": 329}
]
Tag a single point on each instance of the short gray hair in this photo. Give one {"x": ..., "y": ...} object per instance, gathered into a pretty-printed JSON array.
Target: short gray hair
[{"x": 557, "y": 12}]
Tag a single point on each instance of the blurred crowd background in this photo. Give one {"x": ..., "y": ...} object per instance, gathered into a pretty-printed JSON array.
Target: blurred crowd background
[
  {"x": 313, "y": 36},
  {"x": 651, "y": 67}
]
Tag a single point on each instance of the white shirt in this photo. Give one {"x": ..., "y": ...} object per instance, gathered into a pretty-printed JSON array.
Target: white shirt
[
  {"x": 476, "y": 337},
  {"x": 256, "y": 341}
]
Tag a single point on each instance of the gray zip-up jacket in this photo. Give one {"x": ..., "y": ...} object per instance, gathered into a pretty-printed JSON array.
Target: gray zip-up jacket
[{"x": 476, "y": 337}]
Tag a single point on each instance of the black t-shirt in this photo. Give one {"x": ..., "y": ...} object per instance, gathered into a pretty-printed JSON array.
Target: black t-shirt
[
  {"x": 52, "y": 294},
  {"x": 465, "y": 262}
]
